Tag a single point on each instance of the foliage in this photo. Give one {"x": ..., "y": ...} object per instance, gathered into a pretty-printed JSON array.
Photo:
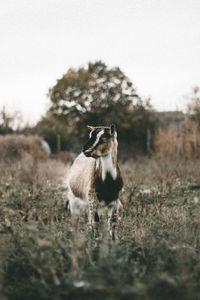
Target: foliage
[
  {"x": 98, "y": 95},
  {"x": 156, "y": 254}
]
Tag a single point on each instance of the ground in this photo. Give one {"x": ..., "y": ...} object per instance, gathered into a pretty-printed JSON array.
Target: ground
[{"x": 156, "y": 252}]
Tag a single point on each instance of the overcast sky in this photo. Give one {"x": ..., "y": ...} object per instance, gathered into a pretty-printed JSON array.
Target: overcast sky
[{"x": 156, "y": 43}]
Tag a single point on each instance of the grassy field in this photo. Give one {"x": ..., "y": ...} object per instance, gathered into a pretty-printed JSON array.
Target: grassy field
[{"x": 156, "y": 252}]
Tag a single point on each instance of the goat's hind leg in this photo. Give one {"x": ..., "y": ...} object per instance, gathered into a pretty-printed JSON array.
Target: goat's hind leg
[{"x": 113, "y": 211}]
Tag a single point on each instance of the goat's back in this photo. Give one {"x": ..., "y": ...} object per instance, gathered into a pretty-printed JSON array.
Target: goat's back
[{"x": 81, "y": 176}]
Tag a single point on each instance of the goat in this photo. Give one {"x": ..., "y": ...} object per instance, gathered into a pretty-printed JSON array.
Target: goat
[{"x": 94, "y": 177}]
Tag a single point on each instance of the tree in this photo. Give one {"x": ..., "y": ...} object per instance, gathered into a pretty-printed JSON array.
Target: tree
[
  {"x": 193, "y": 108},
  {"x": 49, "y": 128},
  {"x": 99, "y": 95},
  {"x": 9, "y": 122}
]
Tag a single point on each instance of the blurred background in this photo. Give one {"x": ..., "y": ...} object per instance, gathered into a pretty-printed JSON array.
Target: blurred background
[{"x": 66, "y": 64}]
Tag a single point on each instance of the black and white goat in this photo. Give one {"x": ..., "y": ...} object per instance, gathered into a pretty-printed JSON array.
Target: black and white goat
[{"x": 94, "y": 178}]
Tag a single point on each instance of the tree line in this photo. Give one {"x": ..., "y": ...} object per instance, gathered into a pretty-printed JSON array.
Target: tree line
[{"x": 97, "y": 95}]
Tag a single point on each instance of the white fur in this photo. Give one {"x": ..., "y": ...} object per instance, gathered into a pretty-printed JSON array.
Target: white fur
[
  {"x": 81, "y": 171},
  {"x": 108, "y": 167},
  {"x": 77, "y": 205}
]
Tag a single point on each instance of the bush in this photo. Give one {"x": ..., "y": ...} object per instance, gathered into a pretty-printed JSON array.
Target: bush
[{"x": 14, "y": 147}]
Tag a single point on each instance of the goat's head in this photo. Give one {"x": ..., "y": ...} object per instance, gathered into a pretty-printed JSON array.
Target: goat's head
[{"x": 101, "y": 141}]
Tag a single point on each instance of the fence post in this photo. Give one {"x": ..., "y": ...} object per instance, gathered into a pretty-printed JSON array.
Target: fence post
[
  {"x": 58, "y": 143},
  {"x": 149, "y": 149}
]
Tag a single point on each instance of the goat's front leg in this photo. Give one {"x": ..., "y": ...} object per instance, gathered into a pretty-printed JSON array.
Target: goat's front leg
[
  {"x": 113, "y": 211},
  {"x": 93, "y": 217}
]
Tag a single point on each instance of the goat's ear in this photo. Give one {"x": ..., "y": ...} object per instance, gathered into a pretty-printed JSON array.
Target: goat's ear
[
  {"x": 112, "y": 130},
  {"x": 90, "y": 127}
]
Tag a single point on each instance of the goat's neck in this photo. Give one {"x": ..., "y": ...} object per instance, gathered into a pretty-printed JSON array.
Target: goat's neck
[{"x": 107, "y": 165}]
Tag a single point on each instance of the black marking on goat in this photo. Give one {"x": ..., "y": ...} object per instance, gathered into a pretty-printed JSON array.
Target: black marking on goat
[
  {"x": 108, "y": 190},
  {"x": 96, "y": 217},
  {"x": 67, "y": 205},
  {"x": 92, "y": 140}
]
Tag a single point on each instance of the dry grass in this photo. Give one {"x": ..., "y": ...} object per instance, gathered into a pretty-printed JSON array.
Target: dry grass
[
  {"x": 178, "y": 143},
  {"x": 14, "y": 147},
  {"x": 156, "y": 254}
]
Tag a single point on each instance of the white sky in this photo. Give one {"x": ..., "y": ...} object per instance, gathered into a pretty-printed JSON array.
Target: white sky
[{"x": 156, "y": 43}]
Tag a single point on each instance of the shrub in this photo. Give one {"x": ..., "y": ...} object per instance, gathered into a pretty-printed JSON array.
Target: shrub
[{"x": 14, "y": 147}]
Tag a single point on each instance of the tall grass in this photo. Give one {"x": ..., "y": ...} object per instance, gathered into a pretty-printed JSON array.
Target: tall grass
[
  {"x": 178, "y": 143},
  {"x": 156, "y": 254}
]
